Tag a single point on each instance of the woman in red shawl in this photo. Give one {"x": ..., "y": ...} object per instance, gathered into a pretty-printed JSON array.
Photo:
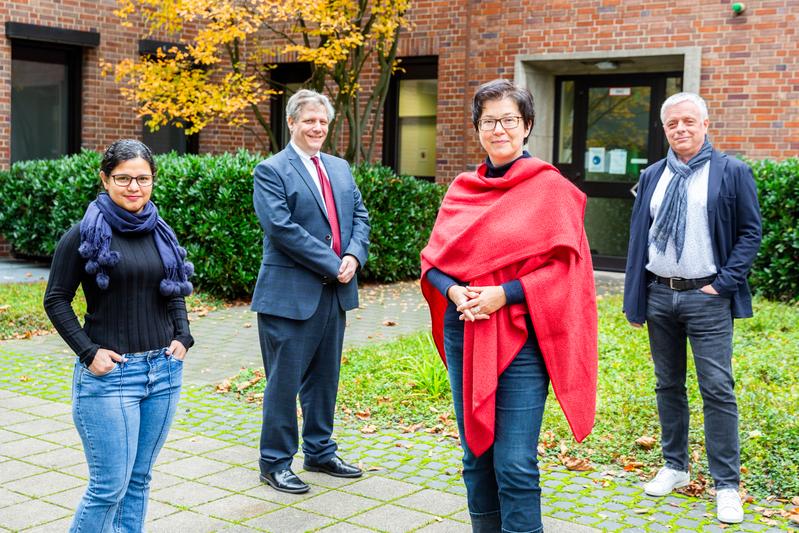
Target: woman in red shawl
[{"x": 508, "y": 277}]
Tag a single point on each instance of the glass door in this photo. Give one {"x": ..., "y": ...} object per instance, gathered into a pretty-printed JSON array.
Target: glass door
[{"x": 608, "y": 131}]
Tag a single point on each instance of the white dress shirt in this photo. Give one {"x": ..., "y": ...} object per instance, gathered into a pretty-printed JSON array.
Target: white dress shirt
[{"x": 311, "y": 168}]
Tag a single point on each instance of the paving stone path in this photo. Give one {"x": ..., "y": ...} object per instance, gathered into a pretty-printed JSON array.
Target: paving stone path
[{"x": 206, "y": 479}]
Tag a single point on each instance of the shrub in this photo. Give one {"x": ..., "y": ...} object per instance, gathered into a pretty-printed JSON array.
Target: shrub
[
  {"x": 208, "y": 201},
  {"x": 775, "y": 273},
  {"x": 402, "y": 211},
  {"x": 42, "y": 199}
]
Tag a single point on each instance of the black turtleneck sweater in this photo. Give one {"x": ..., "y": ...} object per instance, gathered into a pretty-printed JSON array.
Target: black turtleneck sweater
[
  {"x": 129, "y": 316},
  {"x": 514, "y": 293}
]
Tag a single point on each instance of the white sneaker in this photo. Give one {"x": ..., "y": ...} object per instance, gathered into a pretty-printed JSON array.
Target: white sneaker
[
  {"x": 728, "y": 506},
  {"x": 665, "y": 481}
]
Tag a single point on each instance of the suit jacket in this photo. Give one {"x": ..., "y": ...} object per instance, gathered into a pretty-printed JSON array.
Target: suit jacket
[
  {"x": 733, "y": 216},
  {"x": 297, "y": 257}
]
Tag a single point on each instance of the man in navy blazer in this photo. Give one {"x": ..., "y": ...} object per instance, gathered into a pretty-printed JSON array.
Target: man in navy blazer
[
  {"x": 316, "y": 237},
  {"x": 694, "y": 234}
]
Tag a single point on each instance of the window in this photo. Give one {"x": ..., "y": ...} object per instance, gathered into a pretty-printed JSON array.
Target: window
[
  {"x": 409, "y": 124},
  {"x": 45, "y": 101},
  {"x": 287, "y": 78},
  {"x": 607, "y": 130},
  {"x": 46, "y": 66},
  {"x": 169, "y": 138}
]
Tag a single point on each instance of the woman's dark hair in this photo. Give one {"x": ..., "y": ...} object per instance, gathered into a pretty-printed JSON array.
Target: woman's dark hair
[
  {"x": 125, "y": 150},
  {"x": 499, "y": 89}
]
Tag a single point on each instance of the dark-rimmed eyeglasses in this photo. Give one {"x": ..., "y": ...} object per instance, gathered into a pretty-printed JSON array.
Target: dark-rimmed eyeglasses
[
  {"x": 508, "y": 123},
  {"x": 123, "y": 180}
]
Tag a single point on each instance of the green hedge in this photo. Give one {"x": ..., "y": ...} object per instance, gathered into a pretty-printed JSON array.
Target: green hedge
[
  {"x": 208, "y": 201},
  {"x": 776, "y": 271}
]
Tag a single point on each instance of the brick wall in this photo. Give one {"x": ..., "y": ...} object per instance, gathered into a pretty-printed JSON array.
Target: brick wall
[{"x": 749, "y": 70}]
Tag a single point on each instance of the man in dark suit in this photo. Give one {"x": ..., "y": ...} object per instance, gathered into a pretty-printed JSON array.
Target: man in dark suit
[
  {"x": 694, "y": 234},
  {"x": 316, "y": 237}
]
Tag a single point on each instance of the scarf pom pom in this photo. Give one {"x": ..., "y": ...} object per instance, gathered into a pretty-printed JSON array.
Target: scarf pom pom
[
  {"x": 188, "y": 288},
  {"x": 86, "y": 250},
  {"x": 188, "y": 269},
  {"x": 182, "y": 252},
  {"x": 102, "y": 280},
  {"x": 108, "y": 258},
  {"x": 91, "y": 267},
  {"x": 169, "y": 288}
]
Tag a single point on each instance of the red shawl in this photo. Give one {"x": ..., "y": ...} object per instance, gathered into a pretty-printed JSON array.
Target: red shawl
[{"x": 526, "y": 225}]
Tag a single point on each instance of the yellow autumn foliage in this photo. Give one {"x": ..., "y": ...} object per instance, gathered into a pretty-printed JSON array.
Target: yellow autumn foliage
[{"x": 223, "y": 70}]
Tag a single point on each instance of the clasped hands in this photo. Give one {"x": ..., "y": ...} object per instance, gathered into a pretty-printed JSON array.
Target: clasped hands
[{"x": 477, "y": 303}]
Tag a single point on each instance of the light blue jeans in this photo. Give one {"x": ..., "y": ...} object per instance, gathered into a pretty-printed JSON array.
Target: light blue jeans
[{"x": 123, "y": 418}]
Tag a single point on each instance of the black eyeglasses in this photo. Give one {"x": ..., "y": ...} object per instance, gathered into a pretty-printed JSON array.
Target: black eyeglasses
[
  {"x": 123, "y": 180},
  {"x": 488, "y": 124}
]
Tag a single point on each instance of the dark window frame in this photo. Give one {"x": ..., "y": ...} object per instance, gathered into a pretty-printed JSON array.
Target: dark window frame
[
  {"x": 412, "y": 68},
  {"x": 72, "y": 57},
  {"x": 281, "y": 75}
]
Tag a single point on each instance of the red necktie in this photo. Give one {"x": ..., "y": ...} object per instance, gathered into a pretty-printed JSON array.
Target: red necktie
[{"x": 330, "y": 204}]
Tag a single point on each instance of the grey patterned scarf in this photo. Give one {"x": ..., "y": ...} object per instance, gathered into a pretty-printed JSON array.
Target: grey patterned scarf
[{"x": 670, "y": 221}]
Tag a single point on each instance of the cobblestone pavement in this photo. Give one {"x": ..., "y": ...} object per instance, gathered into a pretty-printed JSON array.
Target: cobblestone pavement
[{"x": 206, "y": 477}]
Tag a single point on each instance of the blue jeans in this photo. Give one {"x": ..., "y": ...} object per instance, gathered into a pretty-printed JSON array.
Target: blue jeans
[
  {"x": 123, "y": 418},
  {"x": 673, "y": 317},
  {"x": 502, "y": 485}
]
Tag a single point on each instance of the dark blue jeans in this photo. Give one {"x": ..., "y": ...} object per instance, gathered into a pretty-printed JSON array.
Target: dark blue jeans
[
  {"x": 706, "y": 321},
  {"x": 123, "y": 419},
  {"x": 502, "y": 485}
]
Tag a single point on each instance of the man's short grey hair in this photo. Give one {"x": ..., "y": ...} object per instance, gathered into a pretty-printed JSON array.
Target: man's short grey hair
[
  {"x": 304, "y": 97},
  {"x": 675, "y": 99}
]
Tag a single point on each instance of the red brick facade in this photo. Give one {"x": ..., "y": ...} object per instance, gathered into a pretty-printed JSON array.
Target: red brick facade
[{"x": 749, "y": 63}]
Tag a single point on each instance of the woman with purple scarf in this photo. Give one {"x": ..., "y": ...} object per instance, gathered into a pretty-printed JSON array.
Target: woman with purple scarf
[{"x": 130, "y": 349}]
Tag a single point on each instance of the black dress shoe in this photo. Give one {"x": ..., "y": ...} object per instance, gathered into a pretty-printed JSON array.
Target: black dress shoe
[
  {"x": 334, "y": 466},
  {"x": 285, "y": 481}
]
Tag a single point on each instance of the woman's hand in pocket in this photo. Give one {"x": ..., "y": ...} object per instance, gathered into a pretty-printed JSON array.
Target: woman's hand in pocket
[
  {"x": 176, "y": 350},
  {"x": 104, "y": 362}
]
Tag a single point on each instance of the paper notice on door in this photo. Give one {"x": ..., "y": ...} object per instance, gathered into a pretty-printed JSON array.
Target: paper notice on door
[
  {"x": 617, "y": 161},
  {"x": 596, "y": 159}
]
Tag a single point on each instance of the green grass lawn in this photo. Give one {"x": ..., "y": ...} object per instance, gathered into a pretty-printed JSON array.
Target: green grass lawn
[
  {"x": 22, "y": 314},
  {"x": 403, "y": 383}
]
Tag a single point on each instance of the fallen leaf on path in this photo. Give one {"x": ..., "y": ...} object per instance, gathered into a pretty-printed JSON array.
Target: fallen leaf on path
[
  {"x": 641, "y": 511},
  {"x": 646, "y": 442},
  {"x": 247, "y": 325},
  {"x": 695, "y": 488},
  {"x": 366, "y": 414},
  {"x": 389, "y": 323},
  {"x": 795, "y": 501},
  {"x": 369, "y": 428},
  {"x": 24, "y": 379},
  {"x": 578, "y": 464}
]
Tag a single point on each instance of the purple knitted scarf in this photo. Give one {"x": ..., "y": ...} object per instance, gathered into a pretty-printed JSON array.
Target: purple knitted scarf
[{"x": 103, "y": 215}]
